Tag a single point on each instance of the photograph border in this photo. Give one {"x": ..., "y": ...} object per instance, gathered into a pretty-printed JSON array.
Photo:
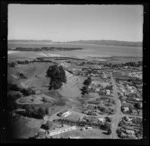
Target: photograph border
[{"x": 5, "y": 132}]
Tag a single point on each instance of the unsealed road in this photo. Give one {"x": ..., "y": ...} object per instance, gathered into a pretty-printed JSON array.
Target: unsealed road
[{"x": 118, "y": 115}]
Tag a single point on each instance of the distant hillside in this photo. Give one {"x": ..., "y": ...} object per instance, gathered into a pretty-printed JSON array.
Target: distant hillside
[
  {"x": 109, "y": 42},
  {"x": 95, "y": 42},
  {"x": 28, "y": 41}
]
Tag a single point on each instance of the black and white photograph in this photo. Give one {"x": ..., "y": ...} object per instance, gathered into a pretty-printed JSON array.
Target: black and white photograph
[{"x": 75, "y": 71}]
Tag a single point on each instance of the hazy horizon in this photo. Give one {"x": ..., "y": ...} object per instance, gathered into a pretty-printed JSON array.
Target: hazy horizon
[
  {"x": 63, "y": 23},
  {"x": 69, "y": 41}
]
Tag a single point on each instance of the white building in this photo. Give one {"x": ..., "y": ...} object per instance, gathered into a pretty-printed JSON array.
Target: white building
[
  {"x": 89, "y": 128},
  {"x": 101, "y": 120},
  {"x": 107, "y": 92},
  {"x": 62, "y": 130},
  {"x": 66, "y": 114},
  {"x": 74, "y": 137},
  {"x": 126, "y": 109}
]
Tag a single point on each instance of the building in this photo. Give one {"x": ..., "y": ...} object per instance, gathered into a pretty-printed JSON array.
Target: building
[
  {"x": 97, "y": 89},
  {"x": 62, "y": 130},
  {"x": 74, "y": 137},
  {"x": 131, "y": 132},
  {"x": 64, "y": 114},
  {"x": 107, "y": 92},
  {"x": 125, "y": 109},
  {"x": 102, "y": 120},
  {"x": 89, "y": 128}
]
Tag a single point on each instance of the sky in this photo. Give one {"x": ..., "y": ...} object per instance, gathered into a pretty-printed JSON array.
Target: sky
[{"x": 75, "y": 22}]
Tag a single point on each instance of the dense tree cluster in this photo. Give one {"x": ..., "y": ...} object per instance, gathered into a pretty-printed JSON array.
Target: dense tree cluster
[
  {"x": 137, "y": 105},
  {"x": 57, "y": 76},
  {"x": 12, "y": 64},
  {"x": 109, "y": 87},
  {"x": 84, "y": 90},
  {"x": 34, "y": 112},
  {"x": 25, "y": 92},
  {"x": 131, "y": 64},
  {"x": 87, "y": 81},
  {"x": 47, "y": 126}
]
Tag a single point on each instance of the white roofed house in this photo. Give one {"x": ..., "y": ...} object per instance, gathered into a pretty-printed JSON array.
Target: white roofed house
[
  {"x": 66, "y": 114},
  {"x": 102, "y": 120},
  {"x": 125, "y": 108},
  {"x": 130, "y": 132},
  {"x": 107, "y": 92},
  {"x": 97, "y": 89}
]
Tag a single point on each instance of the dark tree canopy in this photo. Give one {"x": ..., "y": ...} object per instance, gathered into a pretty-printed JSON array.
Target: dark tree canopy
[
  {"x": 84, "y": 90},
  {"x": 87, "y": 81},
  {"x": 57, "y": 75}
]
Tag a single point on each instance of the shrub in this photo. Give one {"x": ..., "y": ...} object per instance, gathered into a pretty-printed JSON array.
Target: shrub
[
  {"x": 27, "y": 92},
  {"x": 13, "y": 87},
  {"x": 31, "y": 111},
  {"x": 12, "y": 64}
]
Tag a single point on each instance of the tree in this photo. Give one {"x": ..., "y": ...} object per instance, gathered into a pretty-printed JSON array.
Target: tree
[
  {"x": 109, "y": 131},
  {"x": 107, "y": 125},
  {"x": 87, "y": 81},
  {"x": 137, "y": 105},
  {"x": 57, "y": 75},
  {"x": 12, "y": 64},
  {"x": 13, "y": 87},
  {"x": 27, "y": 92},
  {"x": 108, "y": 119},
  {"x": 46, "y": 111},
  {"x": 84, "y": 90},
  {"x": 47, "y": 126},
  {"x": 41, "y": 111}
]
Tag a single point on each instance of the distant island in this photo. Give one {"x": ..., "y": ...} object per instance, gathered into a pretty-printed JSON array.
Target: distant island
[
  {"x": 109, "y": 42},
  {"x": 45, "y": 49}
]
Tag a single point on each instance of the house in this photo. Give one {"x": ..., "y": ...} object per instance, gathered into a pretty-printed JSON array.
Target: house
[
  {"x": 89, "y": 128},
  {"x": 131, "y": 132},
  {"x": 107, "y": 92},
  {"x": 66, "y": 114},
  {"x": 125, "y": 109},
  {"x": 97, "y": 89},
  {"x": 46, "y": 118},
  {"x": 62, "y": 130},
  {"x": 74, "y": 137},
  {"x": 128, "y": 119},
  {"x": 102, "y": 120}
]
